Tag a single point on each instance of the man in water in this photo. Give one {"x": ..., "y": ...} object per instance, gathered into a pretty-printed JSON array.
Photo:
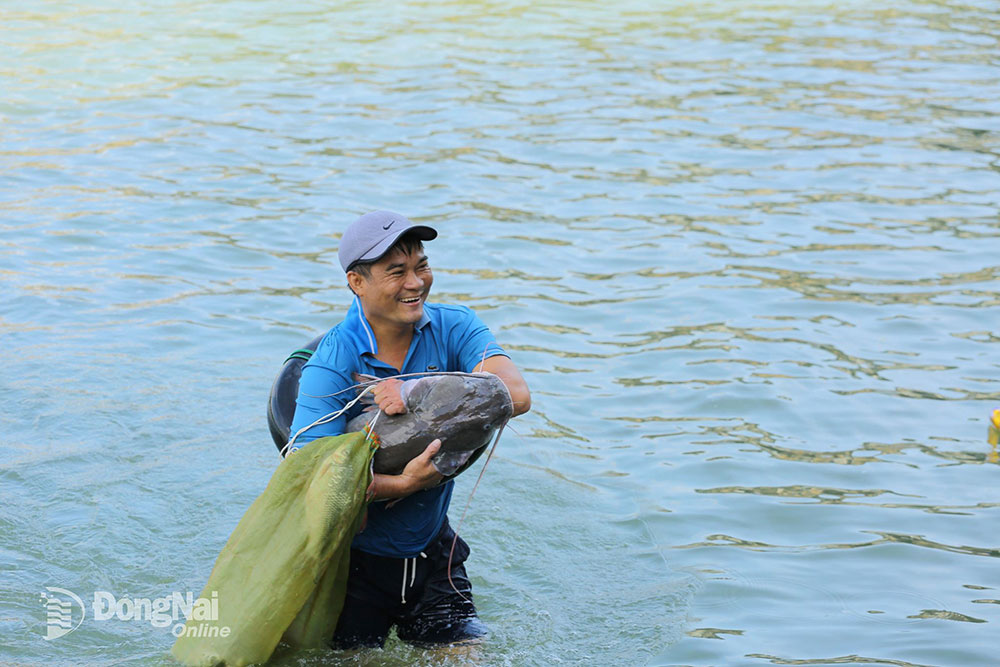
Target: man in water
[{"x": 399, "y": 562}]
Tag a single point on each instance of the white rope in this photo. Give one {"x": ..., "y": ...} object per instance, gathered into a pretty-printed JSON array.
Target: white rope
[
  {"x": 325, "y": 419},
  {"x": 477, "y": 374},
  {"x": 371, "y": 424}
]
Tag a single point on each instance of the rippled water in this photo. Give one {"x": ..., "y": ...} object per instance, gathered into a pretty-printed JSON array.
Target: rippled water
[{"x": 746, "y": 253}]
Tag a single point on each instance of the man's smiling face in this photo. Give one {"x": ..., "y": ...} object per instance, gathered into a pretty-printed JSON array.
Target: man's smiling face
[{"x": 393, "y": 294}]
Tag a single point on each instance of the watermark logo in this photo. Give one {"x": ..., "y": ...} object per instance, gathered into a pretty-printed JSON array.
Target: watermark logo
[
  {"x": 59, "y": 612},
  {"x": 189, "y": 616}
]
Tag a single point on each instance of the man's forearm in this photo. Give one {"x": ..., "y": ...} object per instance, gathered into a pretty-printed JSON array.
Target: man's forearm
[
  {"x": 519, "y": 394},
  {"x": 508, "y": 373},
  {"x": 388, "y": 487}
]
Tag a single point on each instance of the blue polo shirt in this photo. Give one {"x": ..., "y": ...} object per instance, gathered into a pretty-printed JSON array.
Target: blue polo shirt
[{"x": 447, "y": 338}]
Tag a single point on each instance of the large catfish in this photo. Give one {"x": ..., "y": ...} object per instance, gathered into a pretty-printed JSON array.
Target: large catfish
[{"x": 464, "y": 410}]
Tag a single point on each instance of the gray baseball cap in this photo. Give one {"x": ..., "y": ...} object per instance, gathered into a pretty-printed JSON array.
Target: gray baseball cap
[{"x": 370, "y": 236}]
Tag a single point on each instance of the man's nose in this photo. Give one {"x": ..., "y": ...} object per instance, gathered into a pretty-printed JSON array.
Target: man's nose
[{"x": 413, "y": 281}]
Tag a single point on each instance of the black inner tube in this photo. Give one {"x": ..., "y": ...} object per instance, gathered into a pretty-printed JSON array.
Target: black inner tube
[{"x": 284, "y": 391}]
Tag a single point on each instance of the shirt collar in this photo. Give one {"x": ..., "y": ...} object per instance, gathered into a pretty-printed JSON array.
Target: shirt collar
[{"x": 362, "y": 330}]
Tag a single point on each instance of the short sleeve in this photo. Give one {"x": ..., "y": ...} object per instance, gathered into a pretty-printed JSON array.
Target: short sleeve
[
  {"x": 324, "y": 377},
  {"x": 470, "y": 340}
]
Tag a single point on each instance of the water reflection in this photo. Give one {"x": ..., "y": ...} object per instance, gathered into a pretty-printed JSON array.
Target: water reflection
[
  {"x": 712, "y": 633},
  {"x": 744, "y": 253},
  {"x": 720, "y": 540},
  {"x": 836, "y": 660},
  {"x": 828, "y": 496}
]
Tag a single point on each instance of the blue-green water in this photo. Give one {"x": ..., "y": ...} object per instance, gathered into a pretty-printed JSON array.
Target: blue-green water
[{"x": 746, "y": 254}]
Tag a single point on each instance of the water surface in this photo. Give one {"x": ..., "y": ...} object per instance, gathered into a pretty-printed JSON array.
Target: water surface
[{"x": 745, "y": 253}]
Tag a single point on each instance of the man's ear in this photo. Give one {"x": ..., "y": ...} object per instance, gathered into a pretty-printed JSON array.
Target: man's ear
[{"x": 356, "y": 282}]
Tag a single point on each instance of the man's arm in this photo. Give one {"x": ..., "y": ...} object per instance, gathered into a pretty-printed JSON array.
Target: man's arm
[
  {"x": 507, "y": 371},
  {"x": 474, "y": 348},
  {"x": 387, "y": 395},
  {"x": 318, "y": 397},
  {"x": 471, "y": 341},
  {"x": 420, "y": 473}
]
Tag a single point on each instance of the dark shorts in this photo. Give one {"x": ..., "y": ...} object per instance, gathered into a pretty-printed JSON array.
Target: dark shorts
[{"x": 423, "y": 606}]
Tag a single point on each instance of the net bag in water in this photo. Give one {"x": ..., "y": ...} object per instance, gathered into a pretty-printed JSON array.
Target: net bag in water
[{"x": 283, "y": 572}]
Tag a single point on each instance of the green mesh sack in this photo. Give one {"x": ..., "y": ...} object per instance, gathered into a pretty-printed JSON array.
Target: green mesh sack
[{"x": 283, "y": 572}]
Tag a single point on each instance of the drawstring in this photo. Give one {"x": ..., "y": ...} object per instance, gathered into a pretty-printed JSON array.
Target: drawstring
[
  {"x": 411, "y": 565},
  {"x": 402, "y": 591}
]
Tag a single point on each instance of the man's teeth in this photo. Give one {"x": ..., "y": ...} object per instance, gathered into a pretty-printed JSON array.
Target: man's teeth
[{"x": 411, "y": 300}]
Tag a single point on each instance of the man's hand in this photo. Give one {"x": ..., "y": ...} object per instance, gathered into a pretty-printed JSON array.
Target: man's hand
[
  {"x": 387, "y": 397},
  {"x": 418, "y": 474}
]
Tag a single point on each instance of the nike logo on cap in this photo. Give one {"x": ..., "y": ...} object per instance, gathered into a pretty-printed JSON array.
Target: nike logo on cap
[{"x": 389, "y": 225}]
